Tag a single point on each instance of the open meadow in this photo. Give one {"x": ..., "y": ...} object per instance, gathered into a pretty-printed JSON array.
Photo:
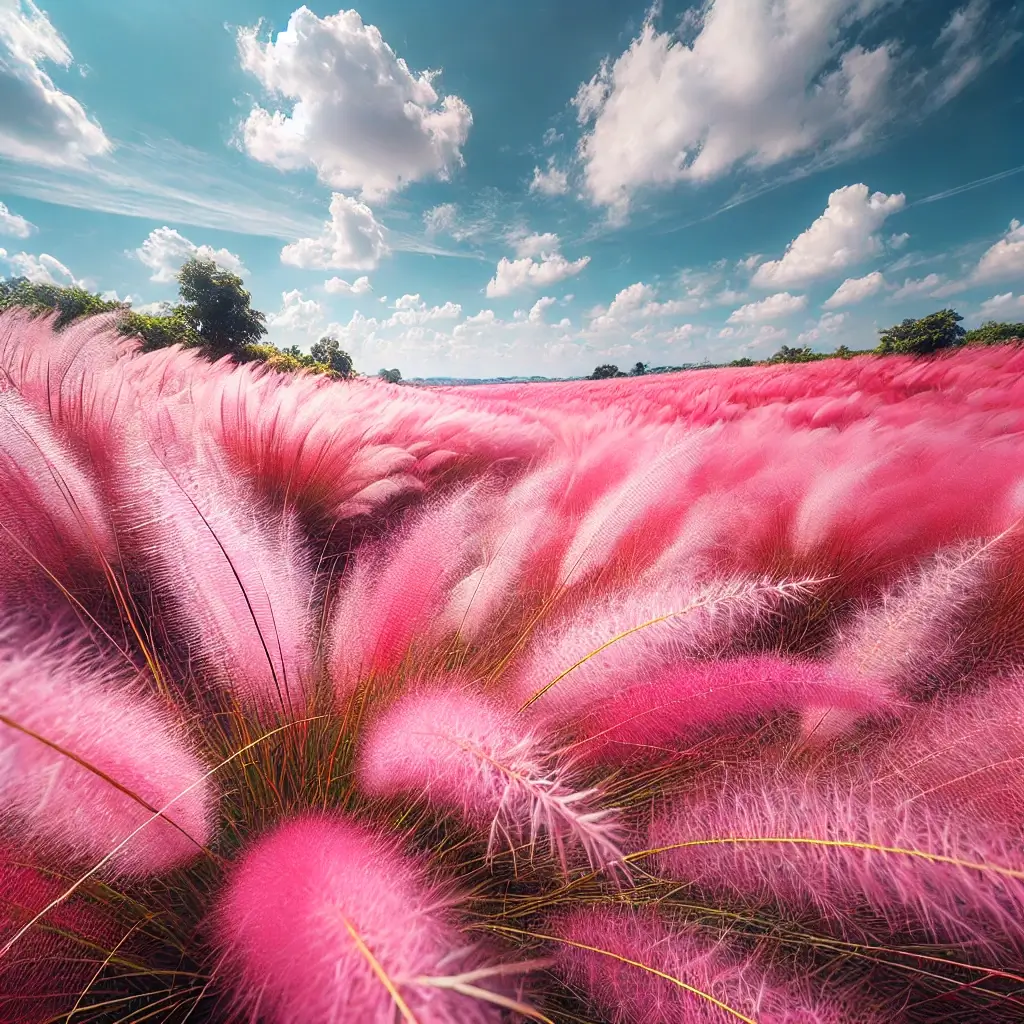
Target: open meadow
[{"x": 688, "y": 698}]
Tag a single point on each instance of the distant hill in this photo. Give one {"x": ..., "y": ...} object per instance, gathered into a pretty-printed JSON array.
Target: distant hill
[
  {"x": 465, "y": 381},
  {"x": 462, "y": 381}
]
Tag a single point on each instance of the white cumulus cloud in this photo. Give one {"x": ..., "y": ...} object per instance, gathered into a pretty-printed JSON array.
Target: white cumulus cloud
[
  {"x": 13, "y": 224},
  {"x": 550, "y": 182},
  {"x": 933, "y": 286},
  {"x": 828, "y": 324},
  {"x": 441, "y": 219},
  {"x": 1003, "y": 260},
  {"x": 754, "y": 83},
  {"x": 536, "y": 314},
  {"x": 41, "y": 269},
  {"x": 165, "y": 250},
  {"x": 352, "y": 239},
  {"x": 39, "y": 123},
  {"x": 518, "y": 275},
  {"x": 774, "y": 307},
  {"x": 297, "y": 315},
  {"x": 844, "y": 235},
  {"x": 856, "y": 289},
  {"x": 1001, "y": 306},
  {"x": 639, "y": 301},
  {"x": 358, "y": 114},
  {"x": 336, "y": 286},
  {"x": 537, "y": 244}
]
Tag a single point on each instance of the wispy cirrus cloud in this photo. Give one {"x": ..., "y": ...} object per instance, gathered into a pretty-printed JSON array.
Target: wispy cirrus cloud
[
  {"x": 167, "y": 181},
  {"x": 170, "y": 182}
]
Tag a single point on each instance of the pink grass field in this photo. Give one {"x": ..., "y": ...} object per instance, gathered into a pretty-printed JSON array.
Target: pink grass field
[{"x": 687, "y": 698}]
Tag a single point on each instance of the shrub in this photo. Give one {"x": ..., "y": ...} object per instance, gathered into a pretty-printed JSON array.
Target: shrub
[
  {"x": 936, "y": 331},
  {"x": 994, "y": 333}
]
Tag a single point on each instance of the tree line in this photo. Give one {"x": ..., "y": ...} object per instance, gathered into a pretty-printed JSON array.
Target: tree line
[
  {"x": 932, "y": 333},
  {"x": 214, "y": 315}
]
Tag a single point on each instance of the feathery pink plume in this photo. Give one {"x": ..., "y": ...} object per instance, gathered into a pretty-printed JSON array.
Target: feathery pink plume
[
  {"x": 677, "y": 703},
  {"x": 604, "y": 951},
  {"x": 52, "y": 522},
  {"x": 461, "y": 752},
  {"x": 53, "y": 692},
  {"x": 397, "y": 589},
  {"x": 63, "y": 376},
  {"x": 515, "y": 548},
  {"x": 915, "y": 639},
  {"x": 857, "y": 859},
  {"x": 326, "y": 922},
  {"x": 234, "y": 575},
  {"x": 965, "y": 755},
  {"x": 338, "y": 450},
  {"x": 678, "y": 624},
  {"x": 637, "y": 514}
]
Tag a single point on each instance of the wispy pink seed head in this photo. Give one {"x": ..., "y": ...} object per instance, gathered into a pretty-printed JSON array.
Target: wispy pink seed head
[
  {"x": 326, "y": 922},
  {"x": 461, "y": 752},
  {"x": 88, "y": 759}
]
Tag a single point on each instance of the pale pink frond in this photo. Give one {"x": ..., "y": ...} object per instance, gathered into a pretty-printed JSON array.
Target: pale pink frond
[{"x": 461, "y": 752}]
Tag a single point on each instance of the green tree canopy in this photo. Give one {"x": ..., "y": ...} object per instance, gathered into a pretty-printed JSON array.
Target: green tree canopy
[
  {"x": 391, "y": 376},
  {"x": 606, "y": 370},
  {"x": 329, "y": 352},
  {"x": 639, "y": 369},
  {"x": 216, "y": 307},
  {"x": 156, "y": 331},
  {"x": 743, "y": 361},
  {"x": 789, "y": 354},
  {"x": 920, "y": 337},
  {"x": 68, "y": 303},
  {"x": 994, "y": 333}
]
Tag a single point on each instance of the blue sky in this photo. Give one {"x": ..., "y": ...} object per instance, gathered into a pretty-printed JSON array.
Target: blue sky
[{"x": 483, "y": 189}]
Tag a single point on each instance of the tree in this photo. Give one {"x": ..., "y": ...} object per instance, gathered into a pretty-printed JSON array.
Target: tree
[
  {"x": 743, "y": 361},
  {"x": 843, "y": 352},
  {"x": 788, "y": 354},
  {"x": 606, "y": 370},
  {"x": 159, "y": 331},
  {"x": 68, "y": 303},
  {"x": 391, "y": 376},
  {"x": 921, "y": 337},
  {"x": 216, "y": 307},
  {"x": 328, "y": 351},
  {"x": 638, "y": 370},
  {"x": 994, "y": 333}
]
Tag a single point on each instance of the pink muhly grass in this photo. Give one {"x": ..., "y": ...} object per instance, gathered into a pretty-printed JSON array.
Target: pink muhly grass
[
  {"x": 294, "y": 438},
  {"x": 234, "y": 576},
  {"x": 52, "y": 522},
  {"x": 69, "y": 947},
  {"x": 325, "y": 921},
  {"x": 338, "y": 450},
  {"x": 848, "y": 854},
  {"x": 397, "y": 589},
  {"x": 677, "y": 703},
  {"x": 637, "y": 514},
  {"x": 610, "y": 642},
  {"x": 638, "y": 969},
  {"x": 461, "y": 752},
  {"x": 87, "y": 758},
  {"x": 965, "y": 755},
  {"x": 64, "y": 376},
  {"x": 887, "y": 497},
  {"x": 917, "y": 638},
  {"x": 515, "y": 546}
]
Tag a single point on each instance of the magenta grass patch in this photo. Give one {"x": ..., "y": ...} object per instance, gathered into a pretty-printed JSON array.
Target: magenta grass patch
[{"x": 697, "y": 697}]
